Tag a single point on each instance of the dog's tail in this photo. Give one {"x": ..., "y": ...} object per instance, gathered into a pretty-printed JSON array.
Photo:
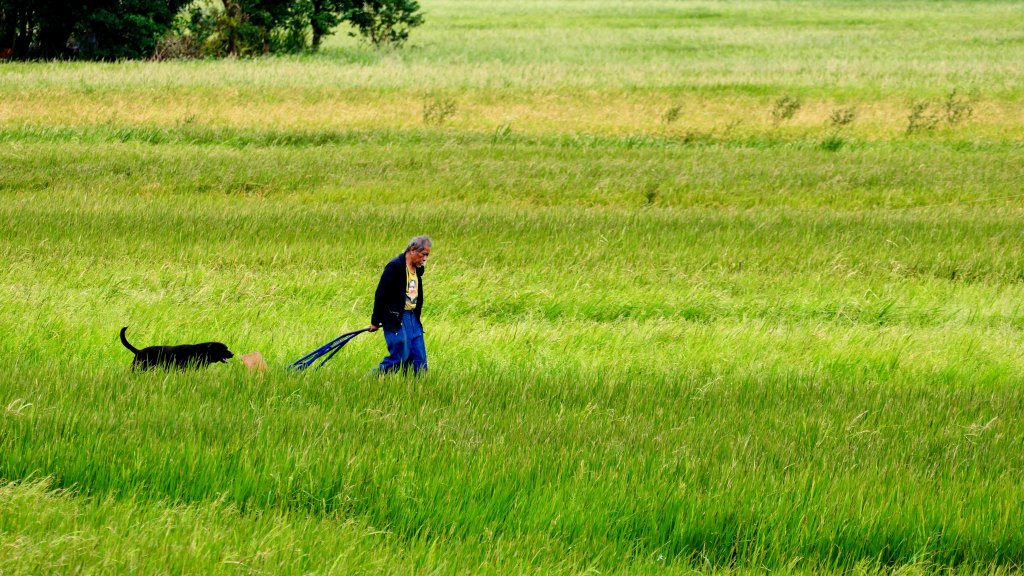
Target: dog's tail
[{"x": 125, "y": 341}]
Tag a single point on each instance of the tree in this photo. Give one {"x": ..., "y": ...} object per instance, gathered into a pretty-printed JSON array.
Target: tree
[
  {"x": 383, "y": 22},
  {"x": 270, "y": 19},
  {"x": 93, "y": 29},
  {"x": 37, "y": 28},
  {"x": 245, "y": 27},
  {"x": 116, "y": 29},
  {"x": 324, "y": 17},
  {"x": 15, "y": 17}
]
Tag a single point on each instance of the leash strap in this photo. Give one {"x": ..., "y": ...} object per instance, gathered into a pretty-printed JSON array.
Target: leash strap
[{"x": 329, "y": 349}]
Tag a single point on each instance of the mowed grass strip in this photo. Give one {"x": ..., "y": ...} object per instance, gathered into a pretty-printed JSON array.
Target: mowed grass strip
[{"x": 649, "y": 176}]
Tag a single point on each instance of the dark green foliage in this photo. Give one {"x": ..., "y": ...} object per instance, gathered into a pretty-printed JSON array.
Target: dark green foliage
[
  {"x": 124, "y": 28},
  {"x": 269, "y": 23},
  {"x": 383, "y": 22},
  {"x": 95, "y": 30},
  {"x": 324, "y": 16},
  {"x": 119, "y": 29},
  {"x": 36, "y": 28},
  {"x": 240, "y": 28}
]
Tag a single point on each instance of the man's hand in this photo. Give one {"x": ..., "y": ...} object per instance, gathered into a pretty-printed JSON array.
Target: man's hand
[{"x": 373, "y": 328}]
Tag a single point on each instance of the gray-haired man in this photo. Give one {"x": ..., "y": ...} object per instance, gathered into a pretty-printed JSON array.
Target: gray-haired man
[{"x": 397, "y": 306}]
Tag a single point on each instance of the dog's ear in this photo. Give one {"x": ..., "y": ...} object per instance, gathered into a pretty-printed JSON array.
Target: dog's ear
[{"x": 209, "y": 353}]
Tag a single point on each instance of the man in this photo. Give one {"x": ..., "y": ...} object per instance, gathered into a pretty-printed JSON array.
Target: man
[{"x": 397, "y": 306}]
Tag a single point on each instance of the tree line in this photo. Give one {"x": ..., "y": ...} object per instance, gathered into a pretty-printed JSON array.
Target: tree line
[{"x": 135, "y": 29}]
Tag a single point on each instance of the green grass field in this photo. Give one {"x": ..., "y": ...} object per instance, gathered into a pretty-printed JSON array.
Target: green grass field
[{"x": 711, "y": 340}]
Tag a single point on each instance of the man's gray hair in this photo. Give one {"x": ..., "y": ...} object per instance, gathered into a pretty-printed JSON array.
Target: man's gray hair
[{"x": 419, "y": 243}]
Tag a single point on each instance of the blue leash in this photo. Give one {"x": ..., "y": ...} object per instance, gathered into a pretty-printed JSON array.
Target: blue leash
[{"x": 328, "y": 350}]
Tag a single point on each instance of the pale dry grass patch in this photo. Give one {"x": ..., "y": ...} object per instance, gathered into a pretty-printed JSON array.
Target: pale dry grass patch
[{"x": 589, "y": 112}]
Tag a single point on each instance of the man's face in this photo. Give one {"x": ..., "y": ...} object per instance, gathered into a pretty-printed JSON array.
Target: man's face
[{"x": 420, "y": 256}]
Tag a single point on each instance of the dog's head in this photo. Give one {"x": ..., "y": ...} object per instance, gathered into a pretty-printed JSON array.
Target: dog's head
[{"x": 216, "y": 352}]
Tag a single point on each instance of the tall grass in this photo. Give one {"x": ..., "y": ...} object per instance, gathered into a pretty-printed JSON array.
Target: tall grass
[{"x": 711, "y": 344}]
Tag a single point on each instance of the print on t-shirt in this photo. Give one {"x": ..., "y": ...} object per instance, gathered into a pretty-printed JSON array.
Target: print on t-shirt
[{"x": 412, "y": 289}]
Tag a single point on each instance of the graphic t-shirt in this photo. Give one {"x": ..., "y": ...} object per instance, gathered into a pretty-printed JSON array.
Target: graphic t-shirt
[{"x": 412, "y": 288}]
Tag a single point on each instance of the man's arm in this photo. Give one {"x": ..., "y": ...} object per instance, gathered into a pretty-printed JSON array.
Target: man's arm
[{"x": 380, "y": 302}]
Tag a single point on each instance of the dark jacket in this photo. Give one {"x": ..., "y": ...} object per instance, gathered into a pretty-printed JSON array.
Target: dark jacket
[{"x": 389, "y": 301}]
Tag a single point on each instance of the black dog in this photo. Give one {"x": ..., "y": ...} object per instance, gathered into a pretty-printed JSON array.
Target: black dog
[{"x": 184, "y": 356}]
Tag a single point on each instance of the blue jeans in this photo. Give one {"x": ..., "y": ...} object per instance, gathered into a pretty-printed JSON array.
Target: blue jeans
[{"x": 405, "y": 347}]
